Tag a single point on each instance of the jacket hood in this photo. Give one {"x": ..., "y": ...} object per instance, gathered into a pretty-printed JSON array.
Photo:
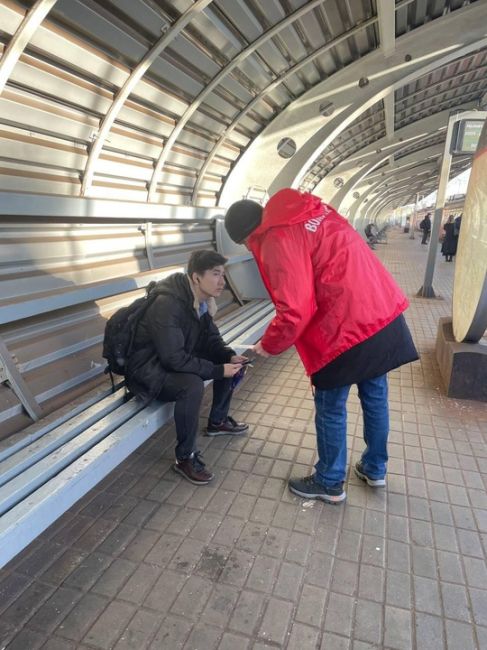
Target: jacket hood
[
  {"x": 289, "y": 207},
  {"x": 180, "y": 286}
]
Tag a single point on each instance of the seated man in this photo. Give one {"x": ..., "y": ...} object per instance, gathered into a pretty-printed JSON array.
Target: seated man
[
  {"x": 372, "y": 234},
  {"x": 176, "y": 347}
]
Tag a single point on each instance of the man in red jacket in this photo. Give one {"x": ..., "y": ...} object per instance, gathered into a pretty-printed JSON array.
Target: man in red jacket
[{"x": 342, "y": 310}]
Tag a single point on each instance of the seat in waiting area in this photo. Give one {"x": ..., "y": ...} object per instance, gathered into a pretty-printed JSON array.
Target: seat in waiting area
[
  {"x": 49, "y": 465},
  {"x": 47, "y": 468}
]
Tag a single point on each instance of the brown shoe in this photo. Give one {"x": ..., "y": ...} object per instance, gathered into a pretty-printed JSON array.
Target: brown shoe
[
  {"x": 228, "y": 426},
  {"x": 193, "y": 469}
]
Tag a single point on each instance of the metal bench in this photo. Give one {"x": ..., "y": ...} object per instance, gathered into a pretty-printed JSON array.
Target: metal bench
[
  {"x": 47, "y": 468},
  {"x": 62, "y": 275}
]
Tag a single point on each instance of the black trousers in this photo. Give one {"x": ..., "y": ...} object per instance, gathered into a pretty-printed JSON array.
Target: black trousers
[
  {"x": 186, "y": 390},
  {"x": 426, "y": 234}
]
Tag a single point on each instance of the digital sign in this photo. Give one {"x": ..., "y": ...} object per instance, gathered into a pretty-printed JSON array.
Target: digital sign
[{"x": 465, "y": 137}]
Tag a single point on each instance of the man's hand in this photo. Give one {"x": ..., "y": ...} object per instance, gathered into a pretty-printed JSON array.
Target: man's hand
[
  {"x": 231, "y": 369},
  {"x": 258, "y": 349},
  {"x": 238, "y": 358}
]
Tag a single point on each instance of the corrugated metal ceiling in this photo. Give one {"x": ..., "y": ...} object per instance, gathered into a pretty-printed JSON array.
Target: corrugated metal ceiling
[{"x": 204, "y": 96}]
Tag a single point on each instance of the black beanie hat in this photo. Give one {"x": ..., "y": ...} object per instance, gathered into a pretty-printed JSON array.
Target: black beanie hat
[{"x": 242, "y": 218}]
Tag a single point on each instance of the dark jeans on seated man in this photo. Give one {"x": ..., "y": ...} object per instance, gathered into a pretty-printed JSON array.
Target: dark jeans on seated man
[{"x": 186, "y": 390}]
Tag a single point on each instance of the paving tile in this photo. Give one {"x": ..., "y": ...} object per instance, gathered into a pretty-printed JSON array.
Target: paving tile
[
  {"x": 21, "y": 610},
  {"x": 450, "y": 567},
  {"x": 334, "y": 642},
  {"x": 220, "y": 605},
  {"x": 339, "y": 614},
  {"x": 11, "y": 586},
  {"x": 479, "y": 605},
  {"x": 311, "y": 605},
  {"x": 397, "y": 628},
  {"x": 424, "y": 562},
  {"x": 164, "y": 592},
  {"x": 233, "y": 642},
  {"x": 398, "y": 589},
  {"x": 368, "y": 621},
  {"x": 252, "y": 538},
  {"x": 248, "y": 610},
  {"x": 172, "y": 633},
  {"x": 298, "y": 548},
  {"x": 274, "y": 626},
  {"x": 115, "y": 576},
  {"x": 426, "y": 595},
  {"x": 237, "y": 567},
  {"x": 303, "y": 638},
  {"x": 78, "y": 622},
  {"x": 459, "y": 635},
  {"x": 455, "y": 602},
  {"x": 27, "y": 639},
  {"x": 52, "y": 612},
  {"x": 263, "y": 574},
  {"x": 429, "y": 632},
  {"x": 345, "y": 577},
  {"x": 192, "y": 597},
  {"x": 138, "y": 633},
  {"x": 140, "y": 583},
  {"x": 203, "y": 636},
  {"x": 371, "y": 583},
  {"x": 109, "y": 626}
]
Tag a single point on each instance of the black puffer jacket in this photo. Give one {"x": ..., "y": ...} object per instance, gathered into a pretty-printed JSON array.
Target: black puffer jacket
[{"x": 171, "y": 337}]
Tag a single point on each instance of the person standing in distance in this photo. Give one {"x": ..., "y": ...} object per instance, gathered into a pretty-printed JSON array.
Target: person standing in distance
[{"x": 342, "y": 310}]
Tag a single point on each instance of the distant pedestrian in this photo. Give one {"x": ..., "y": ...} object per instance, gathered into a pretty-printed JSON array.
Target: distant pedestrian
[
  {"x": 450, "y": 240},
  {"x": 458, "y": 224},
  {"x": 425, "y": 226}
]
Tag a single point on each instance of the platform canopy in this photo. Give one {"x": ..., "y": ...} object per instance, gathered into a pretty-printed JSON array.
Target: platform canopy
[{"x": 204, "y": 102}]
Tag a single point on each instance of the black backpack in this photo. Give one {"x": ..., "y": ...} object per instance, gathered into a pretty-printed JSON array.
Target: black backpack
[{"x": 120, "y": 331}]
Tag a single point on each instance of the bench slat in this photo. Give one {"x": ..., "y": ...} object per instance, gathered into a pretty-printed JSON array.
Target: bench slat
[
  {"x": 24, "y": 484},
  {"x": 28, "y": 456},
  {"x": 24, "y": 522}
]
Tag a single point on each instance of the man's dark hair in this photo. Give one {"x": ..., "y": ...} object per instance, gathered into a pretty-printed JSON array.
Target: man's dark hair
[{"x": 204, "y": 260}]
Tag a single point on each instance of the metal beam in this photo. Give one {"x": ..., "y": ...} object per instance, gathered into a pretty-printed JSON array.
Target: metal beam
[
  {"x": 437, "y": 43},
  {"x": 129, "y": 86},
  {"x": 241, "y": 56},
  {"x": 268, "y": 89},
  {"x": 354, "y": 173},
  {"x": 387, "y": 26},
  {"x": 22, "y": 36}
]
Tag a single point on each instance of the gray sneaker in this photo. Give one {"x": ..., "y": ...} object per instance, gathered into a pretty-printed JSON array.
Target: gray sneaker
[
  {"x": 373, "y": 482},
  {"x": 308, "y": 488}
]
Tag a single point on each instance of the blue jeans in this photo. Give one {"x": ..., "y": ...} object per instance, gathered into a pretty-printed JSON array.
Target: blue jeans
[{"x": 331, "y": 430}]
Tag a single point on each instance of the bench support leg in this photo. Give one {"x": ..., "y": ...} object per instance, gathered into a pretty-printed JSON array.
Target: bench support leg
[{"x": 9, "y": 372}]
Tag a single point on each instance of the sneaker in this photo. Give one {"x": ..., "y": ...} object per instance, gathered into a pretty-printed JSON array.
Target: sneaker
[
  {"x": 193, "y": 469},
  {"x": 228, "y": 426},
  {"x": 373, "y": 482},
  {"x": 308, "y": 488}
]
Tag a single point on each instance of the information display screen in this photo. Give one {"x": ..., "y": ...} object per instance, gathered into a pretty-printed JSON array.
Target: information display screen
[{"x": 465, "y": 138}]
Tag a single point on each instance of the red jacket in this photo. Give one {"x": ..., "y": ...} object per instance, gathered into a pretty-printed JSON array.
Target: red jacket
[{"x": 330, "y": 291}]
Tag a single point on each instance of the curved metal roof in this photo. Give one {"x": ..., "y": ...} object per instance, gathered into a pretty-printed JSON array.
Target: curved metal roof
[{"x": 183, "y": 102}]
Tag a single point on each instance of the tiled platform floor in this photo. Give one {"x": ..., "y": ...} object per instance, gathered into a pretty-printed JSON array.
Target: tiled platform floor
[{"x": 148, "y": 561}]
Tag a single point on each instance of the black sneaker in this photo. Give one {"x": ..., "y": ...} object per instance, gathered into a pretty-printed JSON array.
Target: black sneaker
[
  {"x": 228, "y": 426},
  {"x": 193, "y": 469},
  {"x": 373, "y": 482},
  {"x": 308, "y": 488}
]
